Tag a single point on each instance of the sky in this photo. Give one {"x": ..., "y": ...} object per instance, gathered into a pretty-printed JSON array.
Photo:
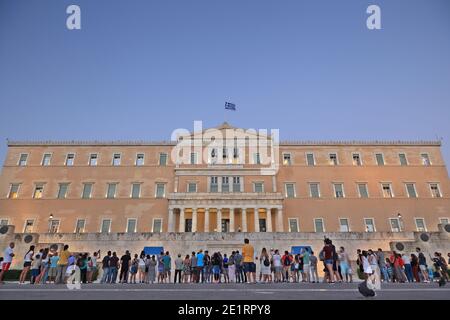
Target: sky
[{"x": 138, "y": 69}]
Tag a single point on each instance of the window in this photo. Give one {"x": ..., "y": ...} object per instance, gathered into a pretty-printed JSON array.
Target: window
[
  {"x": 287, "y": 159},
  {"x": 116, "y": 159},
  {"x": 435, "y": 191},
  {"x": 188, "y": 225},
  {"x": 225, "y": 184},
  {"x": 131, "y": 225},
  {"x": 160, "y": 190},
  {"x": 258, "y": 187},
  {"x": 87, "y": 190},
  {"x": 314, "y": 190},
  {"x": 157, "y": 225},
  {"x": 14, "y": 191},
  {"x": 192, "y": 187},
  {"x": 370, "y": 224},
  {"x": 46, "y": 159},
  {"x": 62, "y": 192},
  {"x": 380, "y": 159},
  {"x": 333, "y": 159},
  {"x": 395, "y": 224},
  {"x": 293, "y": 225},
  {"x": 105, "y": 226},
  {"x": 4, "y": 222},
  {"x": 236, "y": 184},
  {"x": 356, "y": 159},
  {"x": 343, "y": 225},
  {"x": 224, "y": 154},
  {"x": 136, "y": 190},
  {"x": 403, "y": 160},
  {"x": 54, "y": 226},
  {"x": 93, "y": 159},
  {"x": 290, "y": 190},
  {"x": 310, "y": 159},
  {"x": 80, "y": 225},
  {"x": 256, "y": 158},
  {"x": 70, "y": 159},
  {"x": 318, "y": 225},
  {"x": 387, "y": 190},
  {"x": 29, "y": 226},
  {"x": 163, "y": 159},
  {"x": 425, "y": 159},
  {"x": 443, "y": 221},
  {"x": 262, "y": 225},
  {"x": 214, "y": 186},
  {"x": 23, "y": 160},
  {"x": 38, "y": 191},
  {"x": 338, "y": 190},
  {"x": 411, "y": 189},
  {"x": 235, "y": 155},
  {"x": 111, "y": 192},
  {"x": 140, "y": 159},
  {"x": 362, "y": 190},
  {"x": 420, "y": 224},
  {"x": 193, "y": 158},
  {"x": 213, "y": 156}
]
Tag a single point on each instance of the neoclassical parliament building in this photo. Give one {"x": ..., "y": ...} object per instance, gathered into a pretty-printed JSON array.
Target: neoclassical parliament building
[{"x": 95, "y": 194}]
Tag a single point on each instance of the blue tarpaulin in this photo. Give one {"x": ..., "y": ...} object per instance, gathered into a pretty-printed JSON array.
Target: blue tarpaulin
[
  {"x": 298, "y": 249},
  {"x": 153, "y": 250}
]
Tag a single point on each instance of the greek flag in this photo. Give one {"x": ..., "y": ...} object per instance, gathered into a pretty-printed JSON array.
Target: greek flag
[{"x": 230, "y": 106}]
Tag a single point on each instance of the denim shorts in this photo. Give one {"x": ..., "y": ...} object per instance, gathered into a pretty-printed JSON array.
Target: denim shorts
[
  {"x": 329, "y": 261},
  {"x": 249, "y": 267}
]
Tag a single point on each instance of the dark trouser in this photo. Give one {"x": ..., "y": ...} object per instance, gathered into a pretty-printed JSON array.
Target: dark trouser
[
  {"x": 239, "y": 274},
  {"x": 83, "y": 273},
  {"x": 123, "y": 274},
  {"x": 177, "y": 272}
]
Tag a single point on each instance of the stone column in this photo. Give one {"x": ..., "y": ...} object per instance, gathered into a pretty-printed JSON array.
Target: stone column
[
  {"x": 244, "y": 220},
  {"x": 231, "y": 219},
  {"x": 269, "y": 219},
  {"x": 194, "y": 219},
  {"x": 170, "y": 223},
  {"x": 219, "y": 220},
  {"x": 182, "y": 221},
  {"x": 256, "y": 219},
  {"x": 280, "y": 220},
  {"x": 206, "y": 219}
]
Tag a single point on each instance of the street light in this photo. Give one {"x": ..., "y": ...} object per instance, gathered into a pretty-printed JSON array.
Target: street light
[
  {"x": 399, "y": 216},
  {"x": 50, "y": 218}
]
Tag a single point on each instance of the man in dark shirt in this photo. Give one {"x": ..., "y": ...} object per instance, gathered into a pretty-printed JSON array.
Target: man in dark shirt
[
  {"x": 125, "y": 260},
  {"x": 105, "y": 267},
  {"x": 423, "y": 265},
  {"x": 113, "y": 266}
]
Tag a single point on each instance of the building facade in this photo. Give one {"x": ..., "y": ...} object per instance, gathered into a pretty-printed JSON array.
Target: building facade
[{"x": 80, "y": 190}]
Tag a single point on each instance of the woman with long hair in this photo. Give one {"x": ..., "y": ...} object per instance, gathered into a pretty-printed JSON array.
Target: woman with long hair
[
  {"x": 27, "y": 259},
  {"x": 141, "y": 268},
  {"x": 264, "y": 260},
  {"x": 45, "y": 265}
]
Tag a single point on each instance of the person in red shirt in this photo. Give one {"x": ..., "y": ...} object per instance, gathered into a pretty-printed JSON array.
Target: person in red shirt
[{"x": 286, "y": 261}]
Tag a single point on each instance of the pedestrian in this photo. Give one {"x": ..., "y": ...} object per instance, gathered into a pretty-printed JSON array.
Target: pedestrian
[
  {"x": 63, "y": 263},
  {"x": 134, "y": 268},
  {"x": 35, "y": 267},
  {"x": 396, "y": 265},
  {"x": 113, "y": 268},
  {"x": 167, "y": 260},
  {"x": 161, "y": 273},
  {"x": 344, "y": 263},
  {"x": 423, "y": 265},
  {"x": 178, "y": 269},
  {"x": 305, "y": 259},
  {"x": 415, "y": 267},
  {"x": 329, "y": 259},
  {"x": 53, "y": 268},
  {"x": 407, "y": 265},
  {"x": 92, "y": 265},
  {"x": 200, "y": 266},
  {"x": 232, "y": 267},
  {"x": 187, "y": 270},
  {"x": 105, "y": 267},
  {"x": 374, "y": 265},
  {"x": 277, "y": 266},
  {"x": 382, "y": 265},
  {"x": 152, "y": 270},
  {"x": 142, "y": 268},
  {"x": 27, "y": 260},
  {"x": 43, "y": 275},
  {"x": 238, "y": 267},
  {"x": 248, "y": 253},
  {"x": 215, "y": 261},
  {"x": 313, "y": 268},
  {"x": 264, "y": 260},
  {"x": 82, "y": 263},
  {"x": 8, "y": 256},
  {"x": 195, "y": 270},
  {"x": 225, "y": 266},
  {"x": 206, "y": 267},
  {"x": 124, "y": 267}
]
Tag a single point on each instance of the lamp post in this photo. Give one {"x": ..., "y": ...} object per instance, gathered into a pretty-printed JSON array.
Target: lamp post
[
  {"x": 50, "y": 219},
  {"x": 399, "y": 216}
]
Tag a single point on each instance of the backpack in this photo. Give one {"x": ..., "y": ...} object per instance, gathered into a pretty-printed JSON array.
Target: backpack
[
  {"x": 287, "y": 261},
  {"x": 266, "y": 262},
  {"x": 364, "y": 290}
]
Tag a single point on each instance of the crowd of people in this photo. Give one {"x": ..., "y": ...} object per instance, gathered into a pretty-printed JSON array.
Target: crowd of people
[{"x": 49, "y": 266}]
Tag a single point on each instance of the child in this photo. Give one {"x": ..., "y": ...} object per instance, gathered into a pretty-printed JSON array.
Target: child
[{"x": 35, "y": 268}]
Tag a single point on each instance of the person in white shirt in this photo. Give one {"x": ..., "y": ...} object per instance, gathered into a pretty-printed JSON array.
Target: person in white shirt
[
  {"x": 277, "y": 266},
  {"x": 374, "y": 265},
  {"x": 7, "y": 260}
]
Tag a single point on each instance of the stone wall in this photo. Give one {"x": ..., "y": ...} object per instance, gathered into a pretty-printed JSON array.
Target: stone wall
[{"x": 185, "y": 243}]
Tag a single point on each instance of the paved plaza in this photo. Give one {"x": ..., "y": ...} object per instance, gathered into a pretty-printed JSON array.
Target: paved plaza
[{"x": 286, "y": 291}]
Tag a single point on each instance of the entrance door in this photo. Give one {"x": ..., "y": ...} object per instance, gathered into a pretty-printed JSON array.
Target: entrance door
[
  {"x": 188, "y": 225},
  {"x": 262, "y": 225},
  {"x": 225, "y": 225}
]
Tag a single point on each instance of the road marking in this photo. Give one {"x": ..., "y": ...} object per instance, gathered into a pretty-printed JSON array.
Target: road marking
[{"x": 215, "y": 290}]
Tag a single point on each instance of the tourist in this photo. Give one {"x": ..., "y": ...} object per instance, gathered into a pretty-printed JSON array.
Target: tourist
[
  {"x": 167, "y": 260},
  {"x": 423, "y": 265},
  {"x": 124, "y": 267},
  {"x": 296, "y": 270},
  {"x": 105, "y": 267},
  {"x": 8, "y": 256},
  {"x": 407, "y": 265},
  {"x": 200, "y": 266},
  {"x": 92, "y": 265},
  {"x": 374, "y": 265},
  {"x": 151, "y": 269},
  {"x": 43, "y": 275},
  {"x": 240, "y": 276},
  {"x": 306, "y": 265},
  {"x": 134, "y": 268},
  {"x": 328, "y": 259},
  {"x": 232, "y": 267},
  {"x": 62, "y": 265},
  {"x": 82, "y": 263},
  {"x": 225, "y": 260},
  {"x": 187, "y": 269},
  {"x": 206, "y": 267},
  {"x": 178, "y": 269},
  {"x": 248, "y": 257},
  {"x": 113, "y": 268},
  {"x": 27, "y": 260},
  {"x": 277, "y": 266},
  {"x": 53, "y": 270},
  {"x": 216, "y": 264},
  {"x": 195, "y": 270},
  {"x": 141, "y": 268},
  {"x": 286, "y": 262},
  {"x": 382, "y": 264},
  {"x": 415, "y": 267},
  {"x": 313, "y": 268},
  {"x": 344, "y": 264},
  {"x": 35, "y": 267},
  {"x": 389, "y": 270},
  {"x": 264, "y": 260},
  {"x": 161, "y": 273}
]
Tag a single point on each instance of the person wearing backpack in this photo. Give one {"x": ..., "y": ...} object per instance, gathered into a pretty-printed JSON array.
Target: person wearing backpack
[
  {"x": 264, "y": 261},
  {"x": 328, "y": 256},
  {"x": 286, "y": 261}
]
